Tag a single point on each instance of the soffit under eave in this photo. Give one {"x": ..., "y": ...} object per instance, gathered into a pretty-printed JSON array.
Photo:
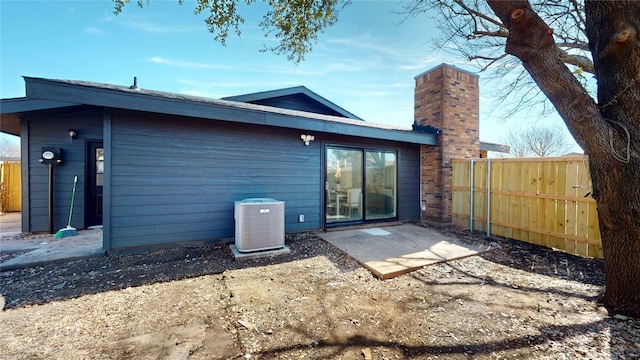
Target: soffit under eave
[
  {"x": 10, "y": 124},
  {"x": 12, "y": 110}
]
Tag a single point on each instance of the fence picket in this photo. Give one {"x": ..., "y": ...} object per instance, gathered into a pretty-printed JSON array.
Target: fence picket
[
  {"x": 10, "y": 179},
  {"x": 541, "y": 201}
]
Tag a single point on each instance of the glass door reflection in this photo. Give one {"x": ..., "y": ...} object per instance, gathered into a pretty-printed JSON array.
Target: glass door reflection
[
  {"x": 380, "y": 196},
  {"x": 344, "y": 180}
]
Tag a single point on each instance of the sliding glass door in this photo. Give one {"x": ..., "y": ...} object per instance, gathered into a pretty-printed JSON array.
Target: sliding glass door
[
  {"x": 344, "y": 185},
  {"x": 380, "y": 185},
  {"x": 360, "y": 184}
]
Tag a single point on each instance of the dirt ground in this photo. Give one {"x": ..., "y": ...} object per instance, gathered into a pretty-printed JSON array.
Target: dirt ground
[{"x": 518, "y": 301}]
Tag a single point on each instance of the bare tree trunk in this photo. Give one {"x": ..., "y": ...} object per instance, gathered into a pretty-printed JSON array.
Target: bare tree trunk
[
  {"x": 613, "y": 28},
  {"x": 609, "y": 132}
]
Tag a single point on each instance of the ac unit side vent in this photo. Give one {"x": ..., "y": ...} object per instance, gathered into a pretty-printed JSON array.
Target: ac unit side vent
[{"x": 259, "y": 224}]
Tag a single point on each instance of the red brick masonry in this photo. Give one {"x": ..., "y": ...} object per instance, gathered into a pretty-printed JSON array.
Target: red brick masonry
[{"x": 446, "y": 98}]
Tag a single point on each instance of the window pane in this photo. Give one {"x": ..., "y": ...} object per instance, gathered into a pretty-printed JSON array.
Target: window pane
[
  {"x": 99, "y": 167},
  {"x": 380, "y": 185},
  {"x": 343, "y": 185}
]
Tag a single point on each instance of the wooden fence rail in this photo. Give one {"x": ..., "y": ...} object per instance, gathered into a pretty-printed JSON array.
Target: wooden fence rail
[{"x": 544, "y": 201}]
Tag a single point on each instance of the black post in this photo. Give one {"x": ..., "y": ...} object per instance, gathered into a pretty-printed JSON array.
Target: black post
[{"x": 51, "y": 199}]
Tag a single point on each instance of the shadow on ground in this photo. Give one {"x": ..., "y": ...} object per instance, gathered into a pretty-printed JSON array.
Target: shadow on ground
[{"x": 70, "y": 279}]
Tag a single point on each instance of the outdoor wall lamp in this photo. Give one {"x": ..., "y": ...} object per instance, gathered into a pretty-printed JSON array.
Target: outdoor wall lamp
[
  {"x": 73, "y": 134},
  {"x": 307, "y": 138}
]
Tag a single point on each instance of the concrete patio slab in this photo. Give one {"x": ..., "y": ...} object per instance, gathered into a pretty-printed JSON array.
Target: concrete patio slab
[
  {"x": 390, "y": 251},
  {"x": 41, "y": 248},
  {"x": 87, "y": 244},
  {"x": 10, "y": 223}
]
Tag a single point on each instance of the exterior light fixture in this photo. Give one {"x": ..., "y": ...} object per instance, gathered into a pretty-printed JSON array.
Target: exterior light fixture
[
  {"x": 307, "y": 138},
  {"x": 73, "y": 134}
]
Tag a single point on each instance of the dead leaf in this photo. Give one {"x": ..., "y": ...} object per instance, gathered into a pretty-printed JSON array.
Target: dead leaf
[
  {"x": 249, "y": 326},
  {"x": 367, "y": 353}
]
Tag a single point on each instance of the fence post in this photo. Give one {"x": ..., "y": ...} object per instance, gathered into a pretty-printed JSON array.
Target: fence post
[
  {"x": 488, "y": 197},
  {"x": 471, "y": 196}
]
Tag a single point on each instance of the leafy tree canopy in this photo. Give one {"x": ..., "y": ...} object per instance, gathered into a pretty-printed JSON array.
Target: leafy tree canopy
[{"x": 294, "y": 23}]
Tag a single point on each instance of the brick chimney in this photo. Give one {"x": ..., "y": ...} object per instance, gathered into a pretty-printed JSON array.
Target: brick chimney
[{"x": 446, "y": 98}]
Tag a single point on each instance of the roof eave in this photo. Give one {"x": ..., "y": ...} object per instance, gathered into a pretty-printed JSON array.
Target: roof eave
[
  {"x": 11, "y": 110},
  {"x": 25, "y": 104},
  {"x": 131, "y": 99},
  {"x": 486, "y": 146},
  {"x": 293, "y": 91}
]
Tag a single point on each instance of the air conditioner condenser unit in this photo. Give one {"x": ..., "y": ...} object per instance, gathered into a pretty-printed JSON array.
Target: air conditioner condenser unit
[{"x": 259, "y": 224}]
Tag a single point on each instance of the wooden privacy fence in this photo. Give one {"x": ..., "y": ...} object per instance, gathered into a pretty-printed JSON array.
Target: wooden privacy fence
[
  {"x": 544, "y": 201},
  {"x": 10, "y": 195}
]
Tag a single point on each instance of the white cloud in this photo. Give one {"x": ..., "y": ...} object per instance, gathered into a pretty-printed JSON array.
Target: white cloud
[
  {"x": 423, "y": 64},
  {"x": 94, "y": 30},
  {"x": 295, "y": 71},
  {"x": 377, "y": 93},
  {"x": 367, "y": 42},
  {"x": 159, "y": 28},
  {"x": 242, "y": 67},
  {"x": 344, "y": 66},
  {"x": 189, "y": 64},
  {"x": 199, "y": 84},
  {"x": 204, "y": 94},
  {"x": 108, "y": 17},
  {"x": 144, "y": 24},
  {"x": 217, "y": 90}
]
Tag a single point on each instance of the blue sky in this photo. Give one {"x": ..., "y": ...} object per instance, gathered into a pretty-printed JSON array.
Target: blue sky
[{"x": 366, "y": 63}]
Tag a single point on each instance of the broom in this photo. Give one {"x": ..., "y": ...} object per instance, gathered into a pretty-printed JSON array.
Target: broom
[{"x": 69, "y": 231}]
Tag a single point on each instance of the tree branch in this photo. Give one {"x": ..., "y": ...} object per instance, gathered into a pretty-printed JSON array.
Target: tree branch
[
  {"x": 479, "y": 14},
  {"x": 578, "y": 60},
  {"x": 573, "y": 45},
  {"x": 498, "y": 33},
  {"x": 491, "y": 60},
  {"x": 530, "y": 40},
  {"x": 578, "y": 11}
]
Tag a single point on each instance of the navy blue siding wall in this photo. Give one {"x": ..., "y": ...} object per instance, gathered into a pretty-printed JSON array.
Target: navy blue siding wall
[
  {"x": 176, "y": 180},
  {"x": 297, "y": 102},
  {"x": 409, "y": 182},
  {"x": 53, "y": 131}
]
